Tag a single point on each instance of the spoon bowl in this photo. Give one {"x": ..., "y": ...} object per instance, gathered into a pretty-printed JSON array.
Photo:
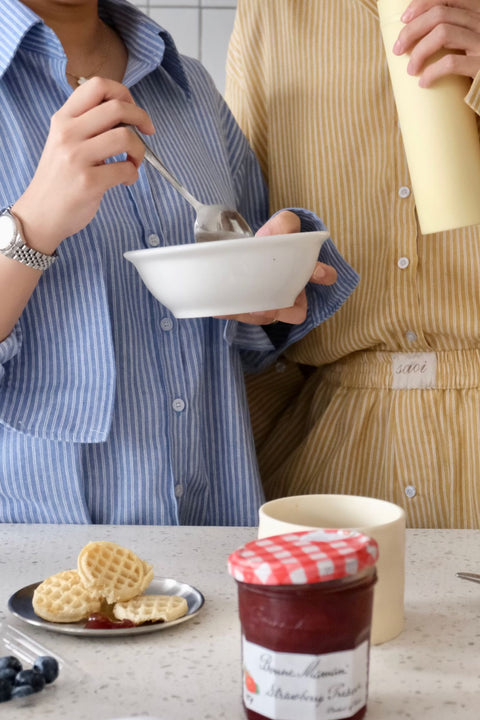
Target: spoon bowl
[{"x": 218, "y": 222}]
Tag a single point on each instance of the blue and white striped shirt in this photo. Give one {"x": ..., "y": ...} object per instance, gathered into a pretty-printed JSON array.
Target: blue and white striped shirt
[{"x": 111, "y": 410}]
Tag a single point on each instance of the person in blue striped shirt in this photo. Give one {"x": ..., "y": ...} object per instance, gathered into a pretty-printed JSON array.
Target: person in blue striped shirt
[{"x": 111, "y": 409}]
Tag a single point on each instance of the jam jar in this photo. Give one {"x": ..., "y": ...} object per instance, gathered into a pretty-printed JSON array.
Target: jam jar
[{"x": 305, "y": 604}]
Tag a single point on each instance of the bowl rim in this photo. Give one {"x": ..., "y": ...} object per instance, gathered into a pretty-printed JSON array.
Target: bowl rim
[{"x": 205, "y": 247}]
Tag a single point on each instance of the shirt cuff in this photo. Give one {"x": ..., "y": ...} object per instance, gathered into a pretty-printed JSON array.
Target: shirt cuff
[
  {"x": 472, "y": 98},
  {"x": 9, "y": 348}
]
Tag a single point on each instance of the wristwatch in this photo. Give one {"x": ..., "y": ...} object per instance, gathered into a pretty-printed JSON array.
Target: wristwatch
[{"x": 13, "y": 246}]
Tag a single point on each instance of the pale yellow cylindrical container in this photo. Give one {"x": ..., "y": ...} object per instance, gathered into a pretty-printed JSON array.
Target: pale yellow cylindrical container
[{"x": 440, "y": 137}]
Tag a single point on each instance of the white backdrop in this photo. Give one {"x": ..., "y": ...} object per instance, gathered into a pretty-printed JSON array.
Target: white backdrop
[{"x": 201, "y": 29}]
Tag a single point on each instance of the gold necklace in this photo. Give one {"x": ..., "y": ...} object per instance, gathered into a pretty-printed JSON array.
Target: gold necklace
[{"x": 79, "y": 79}]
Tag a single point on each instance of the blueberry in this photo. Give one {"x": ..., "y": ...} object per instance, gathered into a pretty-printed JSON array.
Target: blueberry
[
  {"x": 10, "y": 661},
  {"x": 8, "y": 673},
  {"x": 5, "y": 690},
  {"x": 48, "y": 666},
  {"x": 30, "y": 677},
  {"x": 22, "y": 691}
]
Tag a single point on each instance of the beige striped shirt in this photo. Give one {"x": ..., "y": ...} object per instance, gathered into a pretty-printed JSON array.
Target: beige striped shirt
[{"x": 309, "y": 84}]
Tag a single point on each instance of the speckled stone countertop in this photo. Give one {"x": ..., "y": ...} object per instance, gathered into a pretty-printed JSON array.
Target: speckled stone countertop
[{"x": 192, "y": 671}]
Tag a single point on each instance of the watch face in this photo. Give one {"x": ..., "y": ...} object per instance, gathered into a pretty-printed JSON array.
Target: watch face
[{"x": 8, "y": 230}]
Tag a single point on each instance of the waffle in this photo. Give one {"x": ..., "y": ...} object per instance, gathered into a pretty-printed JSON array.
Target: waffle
[
  {"x": 63, "y": 598},
  {"x": 147, "y": 577},
  {"x": 151, "y": 608},
  {"x": 112, "y": 571}
]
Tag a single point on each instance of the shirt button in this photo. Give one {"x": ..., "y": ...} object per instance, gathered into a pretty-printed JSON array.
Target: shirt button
[
  {"x": 411, "y": 336},
  {"x": 280, "y": 366},
  {"x": 178, "y": 405},
  {"x": 178, "y": 491},
  {"x": 404, "y": 192},
  {"x": 166, "y": 323},
  {"x": 153, "y": 240},
  {"x": 410, "y": 491},
  {"x": 403, "y": 263}
]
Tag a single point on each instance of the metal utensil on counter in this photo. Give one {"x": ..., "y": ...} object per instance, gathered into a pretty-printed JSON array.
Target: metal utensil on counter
[
  {"x": 473, "y": 577},
  {"x": 213, "y": 222}
]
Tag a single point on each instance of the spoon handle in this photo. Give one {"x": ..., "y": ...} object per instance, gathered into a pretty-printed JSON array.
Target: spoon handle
[
  {"x": 473, "y": 577},
  {"x": 155, "y": 161}
]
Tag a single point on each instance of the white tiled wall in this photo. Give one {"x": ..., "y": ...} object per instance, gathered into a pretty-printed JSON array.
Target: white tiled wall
[{"x": 200, "y": 28}]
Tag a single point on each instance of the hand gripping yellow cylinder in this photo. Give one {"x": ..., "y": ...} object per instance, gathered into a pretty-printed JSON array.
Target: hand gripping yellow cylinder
[{"x": 440, "y": 136}]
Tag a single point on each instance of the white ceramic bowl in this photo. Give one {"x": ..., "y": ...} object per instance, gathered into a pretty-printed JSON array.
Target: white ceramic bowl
[{"x": 226, "y": 277}]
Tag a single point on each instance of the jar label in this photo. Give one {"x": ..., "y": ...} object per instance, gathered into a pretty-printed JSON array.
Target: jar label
[{"x": 312, "y": 687}]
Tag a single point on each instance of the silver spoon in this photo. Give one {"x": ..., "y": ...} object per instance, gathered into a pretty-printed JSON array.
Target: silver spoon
[
  {"x": 213, "y": 222},
  {"x": 474, "y": 577}
]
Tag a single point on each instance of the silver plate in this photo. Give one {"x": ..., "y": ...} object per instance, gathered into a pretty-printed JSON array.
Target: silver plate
[{"x": 20, "y": 605}]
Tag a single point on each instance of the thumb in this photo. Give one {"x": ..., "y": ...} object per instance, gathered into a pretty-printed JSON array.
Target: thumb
[{"x": 281, "y": 224}]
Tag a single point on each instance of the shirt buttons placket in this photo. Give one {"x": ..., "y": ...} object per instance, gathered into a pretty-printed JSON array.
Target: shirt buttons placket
[
  {"x": 403, "y": 263},
  {"x": 178, "y": 405},
  {"x": 153, "y": 240},
  {"x": 166, "y": 324}
]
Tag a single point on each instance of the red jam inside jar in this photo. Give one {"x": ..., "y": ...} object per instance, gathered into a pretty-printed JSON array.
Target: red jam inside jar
[{"x": 305, "y": 606}]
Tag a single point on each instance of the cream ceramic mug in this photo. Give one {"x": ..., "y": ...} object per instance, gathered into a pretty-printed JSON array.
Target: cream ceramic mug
[{"x": 382, "y": 520}]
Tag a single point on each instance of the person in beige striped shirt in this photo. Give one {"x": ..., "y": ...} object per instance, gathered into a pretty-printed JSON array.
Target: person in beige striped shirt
[{"x": 309, "y": 84}]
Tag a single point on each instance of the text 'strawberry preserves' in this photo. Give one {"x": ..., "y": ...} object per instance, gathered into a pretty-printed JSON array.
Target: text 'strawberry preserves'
[{"x": 305, "y": 605}]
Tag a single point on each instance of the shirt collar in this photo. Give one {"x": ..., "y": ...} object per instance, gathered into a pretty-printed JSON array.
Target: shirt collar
[
  {"x": 149, "y": 45},
  {"x": 17, "y": 21}
]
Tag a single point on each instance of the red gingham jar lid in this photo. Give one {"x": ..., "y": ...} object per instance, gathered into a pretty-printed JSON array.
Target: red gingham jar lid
[{"x": 303, "y": 557}]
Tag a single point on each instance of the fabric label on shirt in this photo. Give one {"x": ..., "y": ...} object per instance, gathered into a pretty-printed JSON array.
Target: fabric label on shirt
[
  {"x": 414, "y": 371},
  {"x": 291, "y": 686}
]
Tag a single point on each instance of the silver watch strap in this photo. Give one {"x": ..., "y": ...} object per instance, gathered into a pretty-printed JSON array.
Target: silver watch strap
[
  {"x": 24, "y": 254},
  {"x": 33, "y": 258}
]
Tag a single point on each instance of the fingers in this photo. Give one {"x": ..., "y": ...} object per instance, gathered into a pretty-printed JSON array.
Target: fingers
[
  {"x": 114, "y": 142},
  {"x": 104, "y": 177},
  {"x": 114, "y": 101},
  {"x": 294, "y": 315},
  {"x": 324, "y": 274},
  {"x": 417, "y": 7},
  {"x": 449, "y": 65},
  {"x": 97, "y": 112},
  {"x": 110, "y": 114},
  {"x": 435, "y": 26},
  {"x": 441, "y": 27},
  {"x": 268, "y": 317}
]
